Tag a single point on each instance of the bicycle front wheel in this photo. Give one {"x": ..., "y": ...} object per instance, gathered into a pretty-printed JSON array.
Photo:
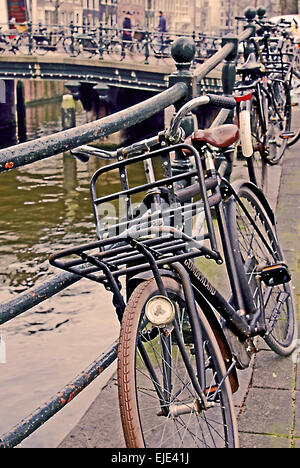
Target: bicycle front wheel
[
  {"x": 24, "y": 46},
  {"x": 257, "y": 164},
  {"x": 159, "y": 401},
  {"x": 257, "y": 246}
]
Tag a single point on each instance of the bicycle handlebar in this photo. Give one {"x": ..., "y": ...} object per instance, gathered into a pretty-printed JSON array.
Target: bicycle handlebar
[
  {"x": 173, "y": 135},
  {"x": 224, "y": 102}
]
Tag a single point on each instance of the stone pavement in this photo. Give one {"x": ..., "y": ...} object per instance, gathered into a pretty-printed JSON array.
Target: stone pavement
[{"x": 268, "y": 401}]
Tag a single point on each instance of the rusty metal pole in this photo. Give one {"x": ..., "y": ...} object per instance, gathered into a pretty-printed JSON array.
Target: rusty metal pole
[{"x": 25, "y": 301}]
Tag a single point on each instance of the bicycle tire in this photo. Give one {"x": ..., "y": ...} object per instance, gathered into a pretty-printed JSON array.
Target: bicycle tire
[
  {"x": 258, "y": 167},
  {"x": 251, "y": 252},
  {"x": 138, "y": 399},
  {"x": 23, "y": 45},
  {"x": 132, "y": 50},
  {"x": 41, "y": 48},
  {"x": 278, "y": 124},
  {"x": 67, "y": 45},
  {"x": 88, "y": 48}
]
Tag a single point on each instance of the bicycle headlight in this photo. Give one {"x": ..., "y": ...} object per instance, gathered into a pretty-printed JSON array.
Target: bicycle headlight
[{"x": 160, "y": 311}]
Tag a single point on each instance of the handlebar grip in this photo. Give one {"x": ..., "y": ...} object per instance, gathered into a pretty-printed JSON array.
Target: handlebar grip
[{"x": 222, "y": 101}]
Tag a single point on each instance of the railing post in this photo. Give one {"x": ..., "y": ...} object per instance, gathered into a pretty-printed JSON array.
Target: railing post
[
  {"x": 30, "y": 38},
  {"x": 183, "y": 52},
  {"x": 147, "y": 50},
  {"x": 229, "y": 67},
  {"x": 100, "y": 43},
  {"x": 194, "y": 59},
  {"x": 72, "y": 30},
  {"x": 261, "y": 13},
  {"x": 250, "y": 14}
]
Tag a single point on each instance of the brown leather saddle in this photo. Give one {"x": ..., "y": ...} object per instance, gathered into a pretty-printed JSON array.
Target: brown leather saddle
[{"x": 220, "y": 137}]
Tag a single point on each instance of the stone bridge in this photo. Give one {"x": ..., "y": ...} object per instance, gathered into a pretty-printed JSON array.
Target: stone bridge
[{"x": 127, "y": 74}]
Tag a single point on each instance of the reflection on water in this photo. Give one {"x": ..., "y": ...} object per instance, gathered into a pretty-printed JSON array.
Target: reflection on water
[{"x": 46, "y": 207}]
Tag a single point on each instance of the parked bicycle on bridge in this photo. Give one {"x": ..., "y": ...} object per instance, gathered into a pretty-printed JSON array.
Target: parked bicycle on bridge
[{"x": 8, "y": 42}]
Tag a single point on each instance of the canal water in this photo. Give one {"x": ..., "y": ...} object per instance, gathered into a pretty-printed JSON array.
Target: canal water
[{"x": 45, "y": 207}]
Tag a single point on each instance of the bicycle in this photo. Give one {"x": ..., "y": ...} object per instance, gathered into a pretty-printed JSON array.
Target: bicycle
[
  {"x": 42, "y": 42},
  {"x": 82, "y": 44},
  {"x": 264, "y": 107},
  {"x": 154, "y": 44},
  {"x": 109, "y": 39},
  {"x": 181, "y": 340},
  {"x": 50, "y": 42},
  {"x": 7, "y": 44},
  {"x": 121, "y": 48}
]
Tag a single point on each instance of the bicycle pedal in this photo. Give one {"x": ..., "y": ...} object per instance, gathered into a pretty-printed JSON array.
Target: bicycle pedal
[
  {"x": 287, "y": 135},
  {"x": 275, "y": 275}
]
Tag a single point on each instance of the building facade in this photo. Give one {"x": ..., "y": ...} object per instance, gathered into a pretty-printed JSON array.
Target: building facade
[
  {"x": 50, "y": 12},
  {"x": 16, "y": 9},
  {"x": 206, "y": 16},
  {"x": 3, "y": 12}
]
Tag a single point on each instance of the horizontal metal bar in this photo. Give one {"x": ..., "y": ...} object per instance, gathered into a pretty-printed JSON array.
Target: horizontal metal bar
[
  {"x": 45, "y": 147},
  {"x": 219, "y": 56},
  {"x": 35, "y": 296},
  {"x": 30, "y": 424},
  {"x": 138, "y": 189},
  {"x": 213, "y": 62}
]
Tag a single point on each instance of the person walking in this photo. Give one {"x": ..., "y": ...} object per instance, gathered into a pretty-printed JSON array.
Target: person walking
[
  {"x": 162, "y": 25},
  {"x": 127, "y": 35},
  {"x": 162, "y": 28}
]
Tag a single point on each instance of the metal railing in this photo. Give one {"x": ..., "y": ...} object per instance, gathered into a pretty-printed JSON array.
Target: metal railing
[
  {"x": 105, "y": 42},
  {"x": 184, "y": 85}
]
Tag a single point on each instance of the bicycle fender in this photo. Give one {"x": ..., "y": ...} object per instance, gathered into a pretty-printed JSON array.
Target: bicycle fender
[{"x": 134, "y": 281}]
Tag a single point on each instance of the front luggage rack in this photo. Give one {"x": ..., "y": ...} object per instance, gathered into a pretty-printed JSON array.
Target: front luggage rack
[
  {"x": 122, "y": 257},
  {"x": 166, "y": 232}
]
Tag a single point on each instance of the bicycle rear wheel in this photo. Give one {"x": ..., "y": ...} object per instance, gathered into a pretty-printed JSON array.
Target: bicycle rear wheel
[
  {"x": 140, "y": 52},
  {"x": 256, "y": 245},
  {"x": 159, "y": 403},
  {"x": 42, "y": 47}
]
